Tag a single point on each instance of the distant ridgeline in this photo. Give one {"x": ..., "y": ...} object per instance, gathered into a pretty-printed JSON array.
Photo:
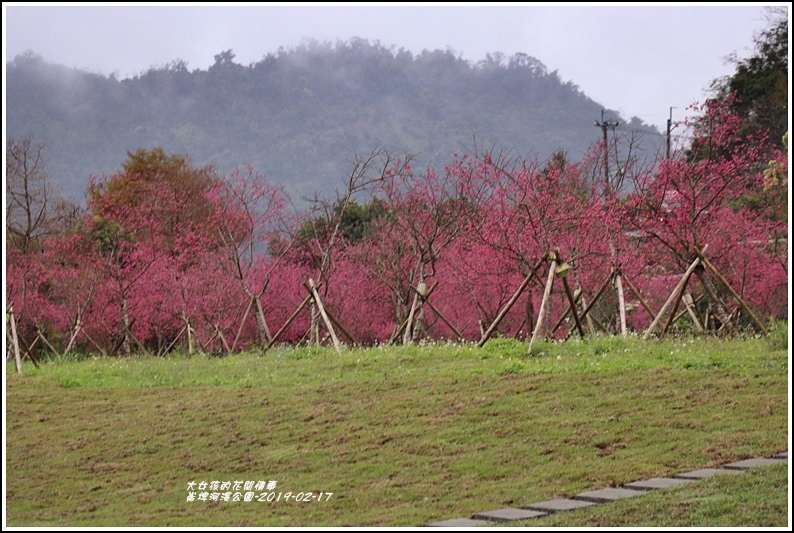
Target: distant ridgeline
[{"x": 301, "y": 115}]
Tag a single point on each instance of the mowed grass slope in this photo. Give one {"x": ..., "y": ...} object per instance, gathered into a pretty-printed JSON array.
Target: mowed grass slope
[{"x": 400, "y": 436}]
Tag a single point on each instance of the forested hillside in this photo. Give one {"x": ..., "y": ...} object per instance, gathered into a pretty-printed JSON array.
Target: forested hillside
[{"x": 301, "y": 115}]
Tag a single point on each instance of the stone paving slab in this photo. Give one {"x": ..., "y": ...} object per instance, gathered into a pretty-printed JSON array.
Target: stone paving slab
[
  {"x": 607, "y": 495},
  {"x": 458, "y": 522},
  {"x": 509, "y": 514},
  {"x": 552, "y": 506},
  {"x": 594, "y": 497},
  {"x": 751, "y": 463},
  {"x": 705, "y": 472},
  {"x": 657, "y": 483}
]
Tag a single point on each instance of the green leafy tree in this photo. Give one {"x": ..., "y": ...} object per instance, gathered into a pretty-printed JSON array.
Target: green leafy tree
[
  {"x": 180, "y": 202},
  {"x": 356, "y": 223},
  {"x": 760, "y": 82}
]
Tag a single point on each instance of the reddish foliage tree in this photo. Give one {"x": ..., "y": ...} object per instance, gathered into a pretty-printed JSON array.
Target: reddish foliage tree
[
  {"x": 253, "y": 223},
  {"x": 694, "y": 201},
  {"x": 147, "y": 223},
  {"x": 424, "y": 217},
  {"x": 535, "y": 209},
  {"x": 174, "y": 251}
]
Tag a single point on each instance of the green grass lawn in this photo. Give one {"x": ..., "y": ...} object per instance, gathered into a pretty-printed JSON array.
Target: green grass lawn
[{"x": 402, "y": 436}]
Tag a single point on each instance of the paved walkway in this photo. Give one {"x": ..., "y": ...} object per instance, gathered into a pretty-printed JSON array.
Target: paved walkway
[{"x": 601, "y": 496}]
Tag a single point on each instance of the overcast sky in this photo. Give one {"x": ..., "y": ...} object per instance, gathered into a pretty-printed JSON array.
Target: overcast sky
[{"x": 639, "y": 60}]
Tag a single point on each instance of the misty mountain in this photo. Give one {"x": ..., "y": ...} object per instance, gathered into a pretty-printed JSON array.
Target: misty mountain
[{"x": 301, "y": 115}]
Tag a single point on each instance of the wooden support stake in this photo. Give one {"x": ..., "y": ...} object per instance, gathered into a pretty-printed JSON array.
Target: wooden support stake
[
  {"x": 340, "y": 326},
  {"x": 684, "y": 311},
  {"x": 313, "y": 290},
  {"x": 543, "y": 302},
  {"x": 577, "y": 295},
  {"x": 409, "y": 322},
  {"x": 719, "y": 309},
  {"x": 139, "y": 343},
  {"x": 171, "y": 344},
  {"x": 114, "y": 348},
  {"x": 588, "y": 308},
  {"x": 29, "y": 351},
  {"x": 45, "y": 341},
  {"x": 735, "y": 295},
  {"x": 689, "y": 303},
  {"x": 9, "y": 341},
  {"x": 223, "y": 339},
  {"x": 26, "y": 350},
  {"x": 202, "y": 346},
  {"x": 676, "y": 303},
  {"x": 442, "y": 317},
  {"x": 14, "y": 338},
  {"x": 420, "y": 294},
  {"x": 242, "y": 322},
  {"x": 261, "y": 314},
  {"x": 209, "y": 341},
  {"x": 508, "y": 305},
  {"x": 289, "y": 321},
  {"x": 404, "y": 323},
  {"x": 640, "y": 298},
  {"x": 429, "y": 291},
  {"x": 621, "y": 305},
  {"x": 594, "y": 324},
  {"x": 572, "y": 306},
  {"x": 679, "y": 288},
  {"x": 600, "y": 325},
  {"x": 96, "y": 344},
  {"x": 77, "y": 327},
  {"x": 733, "y": 314},
  {"x": 189, "y": 337},
  {"x": 424, "y": 298},
  {"x": 397, "y": 331}
]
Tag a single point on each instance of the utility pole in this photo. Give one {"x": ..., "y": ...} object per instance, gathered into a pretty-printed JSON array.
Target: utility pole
[
  {"x": 669, "y": 129},
  {"x": 604, "y": 124}
]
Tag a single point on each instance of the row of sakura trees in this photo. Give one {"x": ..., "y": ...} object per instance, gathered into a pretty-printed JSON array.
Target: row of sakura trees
[{"x": 168, "y": 255}]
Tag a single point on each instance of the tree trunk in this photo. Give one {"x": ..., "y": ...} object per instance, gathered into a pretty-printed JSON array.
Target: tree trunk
[
  {"x": 621, "y": 305},
  {"x": 530, "y": 310},
  {"x": 125, "y": 318}
]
